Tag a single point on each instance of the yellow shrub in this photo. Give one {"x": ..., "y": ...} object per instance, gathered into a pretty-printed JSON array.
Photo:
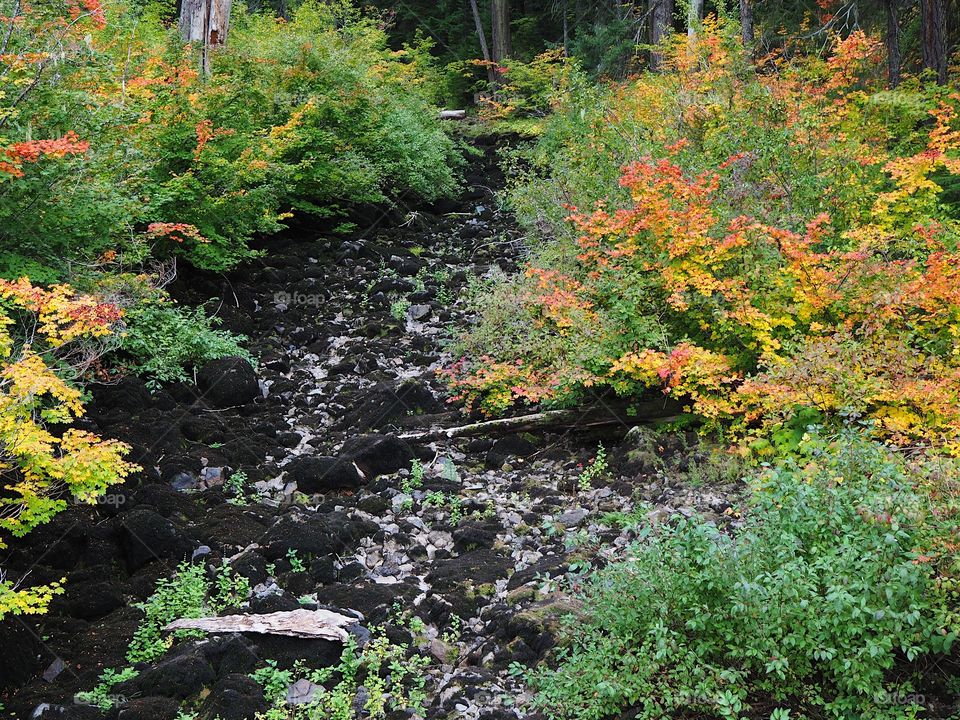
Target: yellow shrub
[{"x": 44, "y": 470}]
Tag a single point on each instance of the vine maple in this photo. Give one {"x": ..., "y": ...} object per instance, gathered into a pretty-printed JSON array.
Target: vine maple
[
  {"x": 770, "y": 252},
  {"x": 42, "y": 330}
]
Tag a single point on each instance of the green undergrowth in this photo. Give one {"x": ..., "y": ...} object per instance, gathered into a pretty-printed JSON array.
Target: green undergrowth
[
  {"x": 370, "y": 681},
  {"x": 840, "y": 586},
  {"x": 190, "y": 593}
]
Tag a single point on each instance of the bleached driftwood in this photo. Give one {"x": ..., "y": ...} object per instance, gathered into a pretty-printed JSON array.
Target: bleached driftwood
[
  {"x": 453, "y": 114},
  {"x": 636, "y": 414},
  {"x": 322, "y": 624}
]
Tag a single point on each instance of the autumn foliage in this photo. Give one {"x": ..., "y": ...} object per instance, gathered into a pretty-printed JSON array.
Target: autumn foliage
[
  {"x": 105, "y": 116},
  {"x": 777, "y": 247},
  {"x": 45, "y": 464}
]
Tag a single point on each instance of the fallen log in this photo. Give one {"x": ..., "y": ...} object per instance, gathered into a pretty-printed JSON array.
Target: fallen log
[
  {"x": 453, "y": 114},
  {"x": 311, "y": 624},
  {"x": 626, "y": 415}
]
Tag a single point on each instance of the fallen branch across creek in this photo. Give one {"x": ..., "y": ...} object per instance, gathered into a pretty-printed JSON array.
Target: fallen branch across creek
[{"x": 627, "y": 415}]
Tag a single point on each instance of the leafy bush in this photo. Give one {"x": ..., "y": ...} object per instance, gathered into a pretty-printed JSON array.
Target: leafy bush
[
  {"x": 139, "y": 154},
  {"x": 393, "y": 682},
  {"x": 169, "y": 342},
  {"x": 47, "y": 337},
  {"x": 772, "y": 230},
  {"x": 101, "y": 696},
  {"x": 530, "y": 88},
  {"x": 188, "y": 594},
  {"x": 841, "y": 572}
]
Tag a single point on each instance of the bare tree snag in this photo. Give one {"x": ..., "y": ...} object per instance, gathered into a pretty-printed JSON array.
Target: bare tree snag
[
  {"x": 205, "y": 22},
  {"x": 694, "y": 16},
  {"x": 661, "y": 24},
  {"x": 893, "y": 42},
  {"x": 482, "y": 37},
  {"x": 746, "y": 23},
  {"x": 933, "y": 37}
]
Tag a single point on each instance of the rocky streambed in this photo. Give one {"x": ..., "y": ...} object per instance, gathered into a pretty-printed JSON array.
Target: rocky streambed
[{"x": 297, "y": 474}]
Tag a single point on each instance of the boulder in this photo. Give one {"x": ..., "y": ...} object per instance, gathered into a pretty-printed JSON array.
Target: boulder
[
  {"x": 314, "y": 536},
  {"x": 378, "y": 454},
  {"x": 129, "y": 394},
  {"x": 235, "y": 697},
  {"x": 317, "y": 474},
  {"x": 24, "y": 654},
  {"x": 146, "y": 536},
  {"x": 385, "y": 404},
  {"x": 175, "y": 677},
  {"x": 228, "y": 382},
  {"x": 149, "y": 708},
  {"x": 506, "y": 448}
]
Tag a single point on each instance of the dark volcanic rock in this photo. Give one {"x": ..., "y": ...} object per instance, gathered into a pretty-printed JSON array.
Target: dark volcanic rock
[
  {"x": 149, "y": 708},
  {"x": 384, "y": 405},
  {"x": 378, "y": 454},
  {"x": 204, "y": 428},
  {"x": 316, "y": 474},
  {"x": 235, "y": 697},
  {"x": 233, "y": 654},
  {"x": 473, "y": 536},
  {"x": 466, "y": 580},
  {"x": 508, "y": 447},
  {"x": 147, "y": 536},
  {"x": 129, "y": 394},
  {"x": 23, "y": 652},
  {"x": 87, "y": 600},
  {"x": 48, "y": 711},
  {"x": 289, "y": 439},
  {"x": 176, "y": 677},
  {"x": 228, "y": 382},
  {"x": 313, "y": 536}
]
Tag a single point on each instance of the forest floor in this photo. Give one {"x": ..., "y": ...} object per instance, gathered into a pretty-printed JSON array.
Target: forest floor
[{"x": 348, "y": 336}]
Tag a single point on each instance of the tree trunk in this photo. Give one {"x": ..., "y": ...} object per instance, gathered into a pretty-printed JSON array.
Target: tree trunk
[
  {"x": 746, "y": 23},
  {"x": 206, "y": 22},
  {"x": 933, "y": 37},
  {"x": 893, "y": 43},
  {"x": 500, "y": 13},
  {"x": 500, "y": 36},
  {"x": 484, "y": 48},
  {"x": 661, "y": 25},
  {"x": 694, "y": 16}
]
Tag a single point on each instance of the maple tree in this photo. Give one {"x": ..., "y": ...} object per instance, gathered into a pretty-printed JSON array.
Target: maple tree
[
  {"x": 105, "y": 114},
  {"x": 773, "y": 251},
  {"x": 45, "y": 333}
]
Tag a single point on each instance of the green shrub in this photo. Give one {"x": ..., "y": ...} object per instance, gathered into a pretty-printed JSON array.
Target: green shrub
[
  {"x": 393, "y": 682},
  {"x": 315, "y": 115},
  {"x": 168, "y": 342},
  {"x": 101, "y": 695},
  {"x": 833, "y": 581},
  {"x": 127, "y": 145},
  {"x": 188, "y": 594}
]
